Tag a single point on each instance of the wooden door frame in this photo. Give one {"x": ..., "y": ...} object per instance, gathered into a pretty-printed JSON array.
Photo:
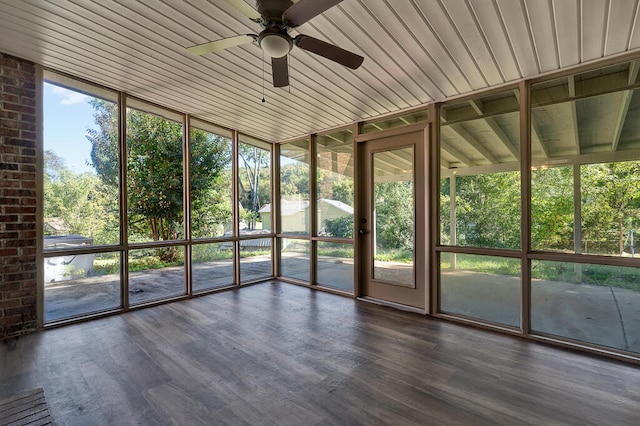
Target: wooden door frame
[{"x": 423, "y": 197}]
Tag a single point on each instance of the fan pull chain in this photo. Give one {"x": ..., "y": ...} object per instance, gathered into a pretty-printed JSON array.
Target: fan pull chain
[{"x": 263, "y": 77}]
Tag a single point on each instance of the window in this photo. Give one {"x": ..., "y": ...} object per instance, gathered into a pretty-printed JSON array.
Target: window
[
  {"x": 254, "y": 193},
  {"x": 480, "y": 208},
  {"x": 81, "y": 200},
  {"x": 334, "y": 254},
  {"x": 211, "y": 172},
  {"x": 295, "y": 205},
  {"x": 155, "y": 186},
  {"x": 585, "y": 182}
]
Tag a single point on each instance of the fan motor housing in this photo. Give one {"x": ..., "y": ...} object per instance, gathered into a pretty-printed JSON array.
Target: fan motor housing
[{"x": 272, "y": 10}]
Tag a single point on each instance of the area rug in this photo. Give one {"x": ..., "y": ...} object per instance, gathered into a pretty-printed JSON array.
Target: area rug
[{"x": 29, "y": 408}]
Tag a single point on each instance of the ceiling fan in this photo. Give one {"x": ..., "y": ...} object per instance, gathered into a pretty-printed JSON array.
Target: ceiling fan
[{"x": 277, "y": 18}]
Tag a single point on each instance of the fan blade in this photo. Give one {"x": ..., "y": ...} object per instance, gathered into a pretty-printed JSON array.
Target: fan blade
[
  {"x": 329, "y": 51},
  {"x": 245, "y": 9},
  {"x": 280, "y": 70},
  {"x": 218, "y": 45},
  {"x": 304, "y": 10}
]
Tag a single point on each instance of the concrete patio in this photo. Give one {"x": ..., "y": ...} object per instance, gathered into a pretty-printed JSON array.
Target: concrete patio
[{"x": 601, "y": 315}]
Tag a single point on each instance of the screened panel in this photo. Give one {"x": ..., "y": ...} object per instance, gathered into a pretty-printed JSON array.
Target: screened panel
[{"x": 295, "y": 216}]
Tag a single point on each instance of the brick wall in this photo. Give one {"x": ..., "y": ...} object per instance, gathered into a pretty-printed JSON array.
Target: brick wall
[{"x": 18, "y": 314}]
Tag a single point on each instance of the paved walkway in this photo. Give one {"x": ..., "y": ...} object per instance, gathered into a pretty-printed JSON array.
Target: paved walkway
[{"x": 606, "y": 316}]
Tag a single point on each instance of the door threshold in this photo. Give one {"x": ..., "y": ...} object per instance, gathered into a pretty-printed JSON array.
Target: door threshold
[{"x": 394, "y": 305}]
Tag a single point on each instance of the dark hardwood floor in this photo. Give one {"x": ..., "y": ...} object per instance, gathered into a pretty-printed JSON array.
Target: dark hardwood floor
[{"x": 278, "y": 354}]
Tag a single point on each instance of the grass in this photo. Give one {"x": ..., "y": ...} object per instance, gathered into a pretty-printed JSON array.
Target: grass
[
  {"x": 598, "y": 275},
  {"x": 148, "y": 260},
  {"x": 402, "y": 256}
]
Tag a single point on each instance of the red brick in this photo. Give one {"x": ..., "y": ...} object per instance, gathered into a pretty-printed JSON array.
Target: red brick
[
  {"x": 6, "y": 252},
  {"x": 11, "y": 115},
  {"x": 11, "y": 132},
  {"x": 11, "y": 303},
  {"x": 17, "y": 196},
  {"x": 19, "y": 108}
]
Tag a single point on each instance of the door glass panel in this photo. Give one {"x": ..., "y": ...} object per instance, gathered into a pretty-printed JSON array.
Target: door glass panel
[{"x": 393, "y": 216}]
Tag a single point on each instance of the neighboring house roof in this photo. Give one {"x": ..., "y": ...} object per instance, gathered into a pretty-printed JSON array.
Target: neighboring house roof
[
  {"x": 289, "y": 208},
  {"x": 338, "y": 204}
]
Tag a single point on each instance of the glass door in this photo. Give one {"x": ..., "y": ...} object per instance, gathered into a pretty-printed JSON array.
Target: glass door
[{"x": 392, "y": 227}]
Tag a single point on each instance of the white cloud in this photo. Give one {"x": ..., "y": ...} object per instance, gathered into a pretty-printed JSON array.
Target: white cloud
[{"x": 69, "y": 97}]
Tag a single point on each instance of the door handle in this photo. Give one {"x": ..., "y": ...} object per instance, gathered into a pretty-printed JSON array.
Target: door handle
[{"x": 362, "y": 231}]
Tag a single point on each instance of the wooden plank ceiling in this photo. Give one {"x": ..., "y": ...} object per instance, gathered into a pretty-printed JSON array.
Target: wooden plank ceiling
[{"x": 416, "y": 52}]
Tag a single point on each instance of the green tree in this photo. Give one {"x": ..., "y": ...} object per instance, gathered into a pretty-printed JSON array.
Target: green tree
[
  {"x": 341, "y": 227},
  {"x": 80, "y": 201},
  {"x": 154, "y": 167},
  {"x": 488, "y": 210},
  {"x": 254, "y": 181},
  {"x": 610, "y": 201},
  {"x": 394, "y": 215},
  {"x": 342, "y": 190},
  {"x": 552, "y": 208},
  {"x": 294, "y": 181}
]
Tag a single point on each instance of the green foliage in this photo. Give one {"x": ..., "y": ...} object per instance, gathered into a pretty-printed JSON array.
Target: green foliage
[
  {"x": 336, "y": 252},
  {"x": 395, "y": 255},
  {"x": 394, "y": 215},
  {"x": 445, "y": 211},
  {"x": 341, "y": 227},
  {"x": 486, "y": 264},
  {"x": 342, "y": 190},
  {"x": 610, "y": 203},
  {"x": 154, "y": 172},
  {"x": 254, "y": 182},
  {"x": 80, "y": 200},
  {"x": 552, "y": 208},
  {"x": 210, "y": 253},
  {"x": 488, "y": 210},
  {"x": 294, "y": 181}
]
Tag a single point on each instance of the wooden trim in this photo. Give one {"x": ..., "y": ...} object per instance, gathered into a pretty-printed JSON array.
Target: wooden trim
[
  {"x": 394, "y": 305},
  {"x": 479, "y": 251},
  {"x": 525, "y": 206},
  {"x": 235, "y": 210},
  {"x": 39, "y": 196},
  {"x": 396, "y": 131},
  {"x": 313, "y": 210},
  {"x": 124, "y": 201},
  {"x": 434, "y": 212},
  {"x": 276, "y": 222},
  {"x": 594, "y": 64},
  {"x": 593, "y": 259},
  {"x": 186, "y": 191}
]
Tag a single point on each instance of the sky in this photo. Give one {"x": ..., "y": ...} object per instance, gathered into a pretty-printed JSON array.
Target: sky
[{"x": 67, "y": 116}]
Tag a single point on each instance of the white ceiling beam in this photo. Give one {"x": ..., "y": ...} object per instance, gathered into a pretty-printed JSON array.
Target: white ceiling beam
[
  {"x": 458, "y": 155},
  {"x": 502, "y": 137},
  {"x": 477, "y": 106},
  {"x": 571, "y": 82},
  {"x": 625, "y": 102},
  {"x": 475, "y": 144},
  {"x": 535, "y": 137}
]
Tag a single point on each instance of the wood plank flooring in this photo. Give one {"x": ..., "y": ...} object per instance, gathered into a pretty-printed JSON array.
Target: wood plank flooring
[{"x": 279, "y": 354}]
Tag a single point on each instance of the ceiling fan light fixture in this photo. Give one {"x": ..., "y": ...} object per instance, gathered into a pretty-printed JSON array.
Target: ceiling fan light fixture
[{"x": 275, "y": 45}]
